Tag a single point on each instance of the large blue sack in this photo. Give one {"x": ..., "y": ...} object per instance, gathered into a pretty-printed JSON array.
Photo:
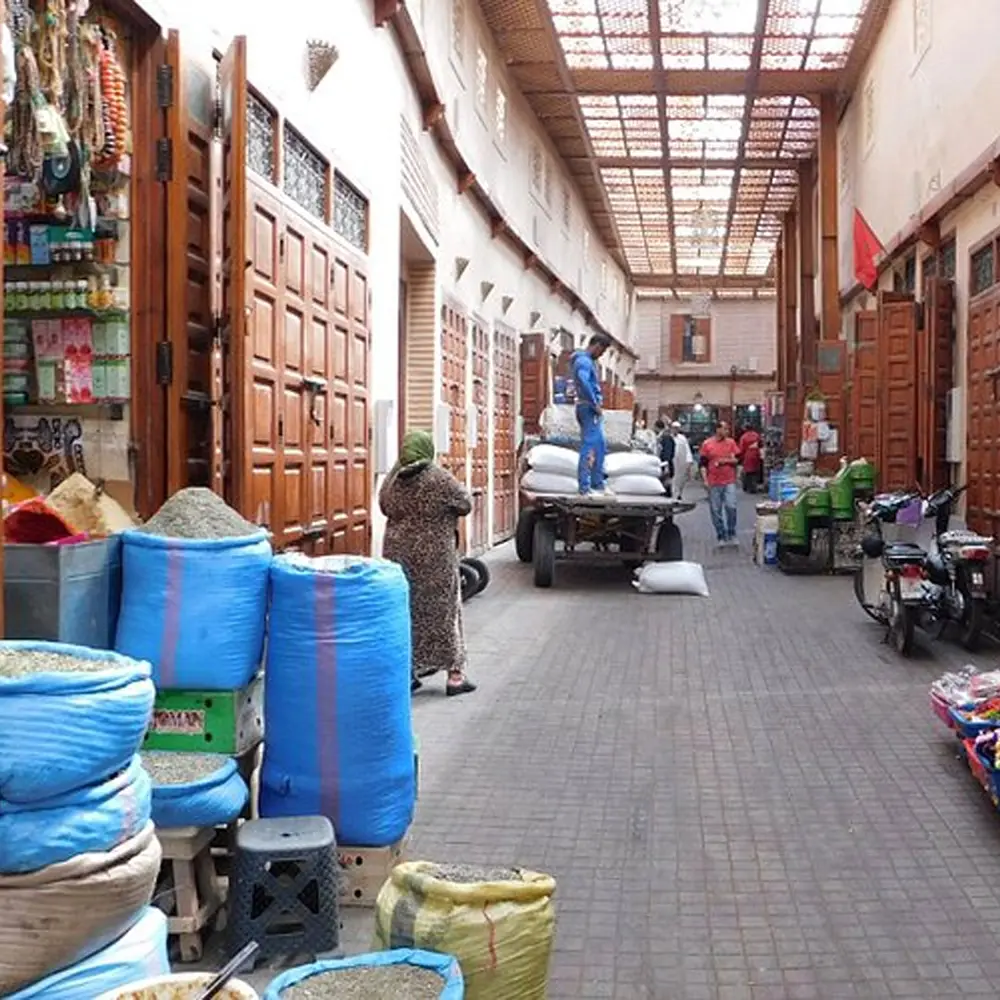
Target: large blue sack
[
  {"x": 62, "y": 731},
  {"x": 95, "y": 818},
  {"x": 214, "y": 800},
  {"x": 196, "y": 609},
  {"x": 139, "y": 954},
  {"x": 452, "y": 986},
  {"x": 337, "y": 697}
]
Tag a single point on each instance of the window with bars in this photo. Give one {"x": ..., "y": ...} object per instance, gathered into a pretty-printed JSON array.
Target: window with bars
[
  {"x": 567, "y": 209},
  {"x": 982, "y": 269},
  {"x": 482, "y": 79},
  {"x": 549, "y": 172},
  {"x": 458, "y": 30},
  {"x": 946, "y": 257},
  {"x": 500, "y": 115},
  {"x": 537, "y": 169},
  {"x": 304, "y": 175},
  {"x": 910, "y": 275},
  {"x": 929, "y": 267},
  {"x": 262, "y": 128},
  {"x": 350, "y": 213}
]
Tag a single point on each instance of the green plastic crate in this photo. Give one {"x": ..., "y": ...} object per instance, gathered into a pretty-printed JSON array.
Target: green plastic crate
[{"x": 229, "y": 722}]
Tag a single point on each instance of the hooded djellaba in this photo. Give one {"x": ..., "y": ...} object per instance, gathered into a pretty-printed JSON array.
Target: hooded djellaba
[{"x": 422, "y": 503}]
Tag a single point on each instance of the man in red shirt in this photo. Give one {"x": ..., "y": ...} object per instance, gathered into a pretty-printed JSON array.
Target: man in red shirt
[{"x": 720, "y": 457}]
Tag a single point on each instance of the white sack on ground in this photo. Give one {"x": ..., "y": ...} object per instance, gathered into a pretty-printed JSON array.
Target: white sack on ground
[
  {"x": 671, "y": 578},
  {"x": 553, "y": 458},
  {"x": 636, "y": 485},
  {"x": 623, "y": 463},
  {"x": 535, "y": 481}
]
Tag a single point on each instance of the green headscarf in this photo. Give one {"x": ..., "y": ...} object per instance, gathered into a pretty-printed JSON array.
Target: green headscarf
[{"x": 418, "y": 446}]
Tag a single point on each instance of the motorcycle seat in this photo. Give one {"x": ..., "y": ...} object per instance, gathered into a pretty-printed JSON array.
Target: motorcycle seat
[{"x": 904, "y": 552}]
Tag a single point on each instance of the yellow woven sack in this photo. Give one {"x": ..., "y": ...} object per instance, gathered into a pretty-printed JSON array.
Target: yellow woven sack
[{"x": 500, "y": 932}]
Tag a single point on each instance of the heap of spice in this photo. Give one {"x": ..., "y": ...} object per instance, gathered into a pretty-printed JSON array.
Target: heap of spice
[{"x": 387, "y": 982}]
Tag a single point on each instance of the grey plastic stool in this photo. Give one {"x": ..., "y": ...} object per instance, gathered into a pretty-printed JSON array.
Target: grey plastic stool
[{"x": 283, "y": 887}]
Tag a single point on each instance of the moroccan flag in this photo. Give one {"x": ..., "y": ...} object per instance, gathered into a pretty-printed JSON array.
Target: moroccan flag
[{"x": 867, "y": 247}]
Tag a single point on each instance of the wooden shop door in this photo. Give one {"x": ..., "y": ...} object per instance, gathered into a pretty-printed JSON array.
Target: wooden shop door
[
  {"x": 479, "y": 521},
  {"x": 897, "y": 409},
  {"x": 983, "y": 414},
  {"x": 454, "y": 336},
  {"x": 504, "y": 431},
  {"x": 863, "y": 441},
  {"x": 935, "y": 358}
]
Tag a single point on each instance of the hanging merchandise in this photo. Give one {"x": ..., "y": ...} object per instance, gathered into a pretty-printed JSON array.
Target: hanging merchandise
[
  {"x": 194, "y": 789},
  {"x": 8, "y": 55},
  {"x": 499, "y": 924},
  {"x": 96, "y": 818},
  {"x": 140, "y": 954},
  {"x": 400, "y": 973},
  {"x": 69, "y": 716},
  {"x": 337, "y": 697}
]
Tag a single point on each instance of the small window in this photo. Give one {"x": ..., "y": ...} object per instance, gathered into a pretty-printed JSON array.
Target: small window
[
  {"x": 500, "y": 112},
  {"x": 929, "y": 267},
  {"x": 458, "y": 30},
  {"x": 567, "y": 209},
  {"x": 947, "y": 260},
  {"x": 983, "y": 270},
  {"x": 549, "y": 177},
  {"x": 262, "y": 127},
  {"x": 350, "y": 213},
  {"x": 537, "y": 169},
  {"x": 304, "y": 175},
  {"x": 910, "y": 275},
  {"x": 868, "y": 107},
  {"x": 482, "y": 79},
  {"x": 695, "y": 344},
  {"x": 604, "y": 277}
]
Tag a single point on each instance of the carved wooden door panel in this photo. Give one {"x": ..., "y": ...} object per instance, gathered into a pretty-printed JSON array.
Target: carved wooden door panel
[
  {"x": 536, "y": 381},
  {"x": 935, "y": 344},
  {"x": 864, "y": 388},
  {"x": 480, "y": 518},
  {"x": 454, "y": 376},
  {"x": 897, "y": 460},
  {"x": 983, "y": 414},
  {"x": 504, "y": 431}
]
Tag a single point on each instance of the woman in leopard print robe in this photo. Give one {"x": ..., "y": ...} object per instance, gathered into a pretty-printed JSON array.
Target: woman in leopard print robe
[{"x": 422, "y": 503}]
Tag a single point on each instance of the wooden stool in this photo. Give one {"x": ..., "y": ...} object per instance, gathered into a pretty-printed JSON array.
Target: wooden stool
[{"x": 198, "y": 893}]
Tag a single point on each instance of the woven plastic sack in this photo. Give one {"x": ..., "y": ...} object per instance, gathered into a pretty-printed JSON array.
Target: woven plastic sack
[
  {"x": 140, "y": 954},
  {"x": 554, "y": 459},
  {"x": 684, "y": 578},
  {"x": 62, "y": 731},
  {"x": 637, "y": 485},
  {"x": 337, "y": 697},
  {"x": 95, "y": 818},
  {"x": 536, "y": 481},
  {"x": 500, "y": 932},
  {"x": 60, "y": 915},
  {"x": 195, "y": 608},
  {"x": 214, "y": 800},
  {"x": 632, "y": 463},
  {"x": 444, "y": 965}
]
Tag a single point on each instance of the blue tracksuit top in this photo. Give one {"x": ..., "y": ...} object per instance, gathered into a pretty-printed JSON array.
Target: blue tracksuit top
[{"x": 585, "y": 375}]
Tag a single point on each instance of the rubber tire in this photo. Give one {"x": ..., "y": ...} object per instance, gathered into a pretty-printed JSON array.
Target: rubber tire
[
  {"x": 859, "y": 594},
  {"x": 524, "y": 536},
  {"x": 544, "y": 553},
  {"x": 669, "y": 544},
  {"x": 902, "y": 634},
  {"x": 471, "y": 581},
  {"x": 483, "y": 570},
  {"x": 972, "y": 626}
]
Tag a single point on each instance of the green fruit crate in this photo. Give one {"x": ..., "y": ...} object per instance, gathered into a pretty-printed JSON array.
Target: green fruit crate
[{"x": 229, "y": 722}]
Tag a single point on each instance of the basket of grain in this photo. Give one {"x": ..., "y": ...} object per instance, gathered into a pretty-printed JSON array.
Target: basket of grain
[
  {"x": 184, "y": 986},
  {"x": 404, "y": 974},
  {"x": 58, "y": 915}
]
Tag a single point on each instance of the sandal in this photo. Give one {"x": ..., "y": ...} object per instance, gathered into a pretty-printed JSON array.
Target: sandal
[{"x": 464, "y": 686}]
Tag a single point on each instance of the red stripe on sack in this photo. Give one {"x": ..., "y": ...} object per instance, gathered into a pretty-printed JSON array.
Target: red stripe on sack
[
  {"x": 327, "y": 722},
  {"x": 492, "y": 941},
  {"x": 171, "y": 618}
]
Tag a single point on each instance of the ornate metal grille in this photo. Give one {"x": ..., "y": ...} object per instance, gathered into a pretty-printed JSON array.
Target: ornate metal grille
[
  {"x": 304, "y": 179},
  {"x": 261, "y": 128},
  {"x": 350, "y": 213},
  {"x": 983, "y": 270},
  {"x": 948, "y": 261}
]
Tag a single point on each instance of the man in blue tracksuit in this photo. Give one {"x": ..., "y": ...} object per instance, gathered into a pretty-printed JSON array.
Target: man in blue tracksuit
[{"x": 590, "y": 414}]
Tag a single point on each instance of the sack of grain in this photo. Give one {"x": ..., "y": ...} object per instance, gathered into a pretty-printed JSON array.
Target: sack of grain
[
  {"x": 635, "y": 463},
  {"x": 401, "y": 973},
  {"x": 636, "y": 485},
  {"x": 87, "y": 509},
  {"x": 96, "y": 818},
  {"x": 54, "y": 917},
  {"x": 139, "y": 954},
  {"x": 194, "y": 789},
  {"x": 69, "y": 716},
  {"x": 194, "y": 594},
  {"x": 553, "y": 458},
  {"x": 498, "y": 923},
  {"x": 337, "y": 706},
  {"x": 683, "y": 578},
  {"x": 534, "y": 481}
]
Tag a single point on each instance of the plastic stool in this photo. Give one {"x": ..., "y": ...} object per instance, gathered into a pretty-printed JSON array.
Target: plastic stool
[{"x": 283, "y": 887}]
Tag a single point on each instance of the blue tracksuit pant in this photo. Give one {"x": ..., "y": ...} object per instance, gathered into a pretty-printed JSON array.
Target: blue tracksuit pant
[{"x": 590, "y": 473}]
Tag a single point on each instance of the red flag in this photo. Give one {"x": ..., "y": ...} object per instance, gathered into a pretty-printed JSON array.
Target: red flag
[{"x": 867, "y": 247}]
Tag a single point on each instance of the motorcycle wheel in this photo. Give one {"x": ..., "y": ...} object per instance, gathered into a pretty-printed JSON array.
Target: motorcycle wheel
[
  {"x": 471, "y": 581},
  {"x": 902, "y": 627},
  {"x": 972, "y": 619},
  {"x": 859, "y": 593}
]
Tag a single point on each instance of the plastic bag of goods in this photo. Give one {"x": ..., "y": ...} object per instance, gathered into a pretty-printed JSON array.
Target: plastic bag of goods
[
  {"x": 140, "y": 953},
  {"x": 553, "y": 458},
  {"x": 181, "y": 986},
  {"x": 618, "y": 429},
  {"x": 671, "y": 578},
  {"x": 95, "y": 818},
  {"x": 194, "y": 789},
  {"x": 83, "y": 905},
  {"x": 637, "y": 485},
  {"x": 535, "y": 481},
  {"x": 87, "y": 509},
  {"x": 632, "y": 463},
  {"x": 69, "y": 717},
  {"x": 559, "y": 425},
  {"x": 194, "y": 594},
  {"x": 498, "y": 923},
  {"x": 391, "y": 975},
  {"x": 337, "y": 697}
]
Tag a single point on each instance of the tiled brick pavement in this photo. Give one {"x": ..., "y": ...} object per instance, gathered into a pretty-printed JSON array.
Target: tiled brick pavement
[{"x": 742, "y": 798}]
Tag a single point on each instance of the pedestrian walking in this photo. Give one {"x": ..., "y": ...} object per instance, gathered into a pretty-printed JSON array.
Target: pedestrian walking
[{"x": 720, "y": 458}]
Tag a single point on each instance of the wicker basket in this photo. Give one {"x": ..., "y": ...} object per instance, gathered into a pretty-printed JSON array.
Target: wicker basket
[{"x": 56, "y": 916}]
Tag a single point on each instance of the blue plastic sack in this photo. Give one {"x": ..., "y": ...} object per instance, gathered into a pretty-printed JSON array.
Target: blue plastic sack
[
  {"x": 337, "y": 697},
  {"x": 195, "y": 609},
  {"x": 95, "y": 818},
  {"x": 452, "y": 986},
  {"x": 214, "y": 800},
  {"x": 139, "y": 954},
  {"x": 63, "y": 731}
]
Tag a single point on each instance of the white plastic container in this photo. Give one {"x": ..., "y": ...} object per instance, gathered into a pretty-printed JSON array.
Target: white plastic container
[{"x": 184, "y": 986}]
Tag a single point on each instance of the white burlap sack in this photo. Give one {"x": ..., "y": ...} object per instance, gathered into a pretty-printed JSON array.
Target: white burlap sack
[
  {"x": 637, "y": 485},
  {"x": 553, "y": 458},
  {"x": 671, "y": 578},
  {"x": 640, "y": 463},
  {"x": 535, "y": 481}
]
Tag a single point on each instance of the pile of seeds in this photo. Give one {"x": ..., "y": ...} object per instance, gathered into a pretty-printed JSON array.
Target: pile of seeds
[
  {"x": 21, "y": 662},
  {"x": 387, "y": 982},
  {"x": 469, "y": 874},
  {"x": 198, "y": 513},
  {"x": 168, "y": 767}
]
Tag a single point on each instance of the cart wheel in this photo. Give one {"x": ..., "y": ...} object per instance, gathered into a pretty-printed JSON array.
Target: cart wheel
[
  {"x": 669, "y": 544},
  {"x": 471, "y": 581},
  {"x": 524, "y": 537},
  {"x": 484, "y": 573},
  {"x": 544, "y": 553}
]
